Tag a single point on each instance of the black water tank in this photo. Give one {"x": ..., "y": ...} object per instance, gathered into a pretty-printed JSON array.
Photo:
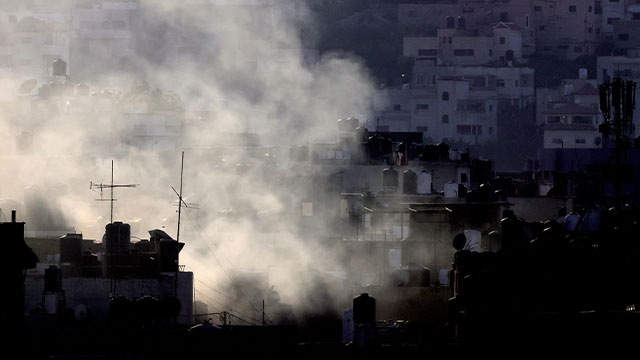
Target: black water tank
[
  {"x": 120, "y": 308},
  {"x": 389, "y": 178},
  {"x": 118, "y": 238},
  {"x": 71, "y": 249},
  {"x": 409, "y": 182},
  {"x": 443, "y": 151},
  {"x": 59, "y": 67},
  {"x": 375, "y": 147},
  {"x": 168, "y": 255},
  {"x": 386, "y": 146},
  {"x": 451, "y": 23},
  {"x": 53, "y": 279},
  {"x": 362, "y": 134},
  {"x": 364, "y": 309},
  {"x": 461, "y": 22},
  {"x": 146, "y": 309},
  {"x": 170, "y": 307}
]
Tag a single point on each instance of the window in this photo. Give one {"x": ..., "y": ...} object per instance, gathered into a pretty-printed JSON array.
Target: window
[
  {"x": 444, "y": 40},
  {"x": 581, "y": 141},
  {"x": 581, "y": 119},
  {"x": 490, "y": 107},
  {"x": 500, "y": 83},
  {"x": 636, "y": 16},
  {"x": 445, "y": 96},
  {"x": 548, "y": 48},
  {"x": 463, "y": 177},
  {"x": 422, "y": 128},
  {"x": 490, "y": 130},
  {"x": 463, "y": 52},
  {"x": 449, "y": 40},
  {"x": 614, "y": 0},
  {"x": 572, "y": 8},
  {"x": 445, "y": 119},
  {"x": 611, "y": 20},
  {"x": 396, "y": 107},
  {"x": 623, "y": 36},
  {"x": 556, "y": 141},
  {"x": 422, "y": 106},
  {"x": 419, "y": 79},
  {"x": 537, "y": 8},
  {"x": 463, "y": 129},
  {"x": 526, "y": 21},
  {"x": 502, "y": 40},
  {"x": 516, "y": 83},
  {"x": 427, "y": 52},
  {"x": 577, "y": 49},
  {"x": 490, "y": 52},
  {"x": 553, "y": 119},
  {"x": 590, "y": 8},
  {"x": 541, "y": 27}
]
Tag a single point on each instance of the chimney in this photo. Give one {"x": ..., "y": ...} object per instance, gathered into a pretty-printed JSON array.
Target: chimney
[{"x": 13, "y": 216}]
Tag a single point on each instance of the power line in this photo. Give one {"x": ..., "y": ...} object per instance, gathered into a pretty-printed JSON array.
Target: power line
[{"x": 233, "y": 282}]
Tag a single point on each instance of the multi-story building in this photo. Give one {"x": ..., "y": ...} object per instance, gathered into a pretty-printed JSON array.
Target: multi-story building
[
  {"x": 517, "y": 14},
  {"x": 29, "y": 42},
  {"x": 102, "y": 37},
  {"x": 499, "y": 44},
  {"x": 454, "y": 102},
  {"x": 567, "y": 28}
]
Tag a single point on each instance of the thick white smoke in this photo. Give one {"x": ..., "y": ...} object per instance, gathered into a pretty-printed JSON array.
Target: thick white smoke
[{"x": 237, "y": 67}]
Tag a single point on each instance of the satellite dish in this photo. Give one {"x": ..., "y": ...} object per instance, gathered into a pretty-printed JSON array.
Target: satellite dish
[{"x": 27, "y": 86}]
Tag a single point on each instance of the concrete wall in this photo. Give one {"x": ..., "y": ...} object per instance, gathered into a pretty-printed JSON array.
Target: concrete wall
[{"x": 94, "y": 292}]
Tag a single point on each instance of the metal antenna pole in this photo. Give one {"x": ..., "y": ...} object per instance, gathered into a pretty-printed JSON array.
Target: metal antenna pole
[
  {"x": 180, "y": 197},
  {"x": 111, "y": 218}
]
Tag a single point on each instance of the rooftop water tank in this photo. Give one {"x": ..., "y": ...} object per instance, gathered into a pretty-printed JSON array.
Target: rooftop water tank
[
  {"x": 424, "y": 182},
  {"x": 364, "y": 309},
  {"x": 409, "y": 182},
  {"x": 118, "y": 238},
  {"x": 59, "y": 67},
  {"x": 53, "y": 279},
  {"x": 389, "y": 178},
  {"x": 451, "y": 190}
]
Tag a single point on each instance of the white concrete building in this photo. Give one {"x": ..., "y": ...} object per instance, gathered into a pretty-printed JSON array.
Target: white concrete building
[
  {"x": 30, "y": 42},
  {"x": 102, "y": 37},
  {"x": 571, "y": 126},
  {"x": 501, "y": 43}
]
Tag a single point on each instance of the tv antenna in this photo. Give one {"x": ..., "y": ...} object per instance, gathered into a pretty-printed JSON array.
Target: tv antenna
[
  {"x": 617, "y": 101},
  {"x": 111, "y": 186}
]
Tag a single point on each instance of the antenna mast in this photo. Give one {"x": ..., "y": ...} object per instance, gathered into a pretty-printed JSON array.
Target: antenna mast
[
  {"x": 180, "y": 201},
  {"x": 102, "y": 186}
]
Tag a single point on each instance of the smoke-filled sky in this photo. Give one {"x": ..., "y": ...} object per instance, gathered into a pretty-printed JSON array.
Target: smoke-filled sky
[{"x": 235, "y": 69}]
